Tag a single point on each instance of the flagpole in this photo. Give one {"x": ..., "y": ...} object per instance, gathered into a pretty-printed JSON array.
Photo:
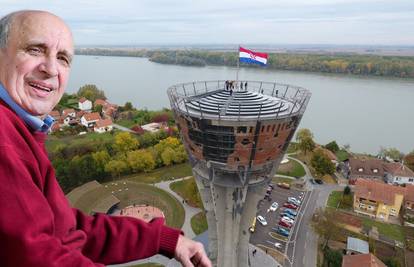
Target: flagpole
[{"x": 238, "y": 67}]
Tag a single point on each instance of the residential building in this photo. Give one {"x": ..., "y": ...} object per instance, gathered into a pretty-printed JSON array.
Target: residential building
[
  {"x": 103, "y": 126},
  {"x": 363, "y": 168},
  {"x": 153, "y": 127},
  {"x": 377, "y": 199},
  {"x": 69, "y": 112},
  {"x": 90, "y": 119},
  {"x": 398, "y": 173},
  {"x": 108, "y": 109},
  {"x": 362, "y": 260},
  {"x": 84, "y": 104},
  {"x": 356, "y": 246}
]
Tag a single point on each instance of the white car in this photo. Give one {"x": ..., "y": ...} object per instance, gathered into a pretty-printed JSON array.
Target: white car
[
  {"x": 274, "y": 206},
  {"x": 294, "y": 201},
  {"x": 278, "y": 245},
  {"x": 287, "y": 220},
  {"x": 262, "y": 220}
]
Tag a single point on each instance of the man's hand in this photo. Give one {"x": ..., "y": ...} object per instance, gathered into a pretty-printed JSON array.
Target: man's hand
[{"x": 191, "y": 253}]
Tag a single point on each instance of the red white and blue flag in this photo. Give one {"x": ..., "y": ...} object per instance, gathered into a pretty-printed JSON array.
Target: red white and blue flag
[{"x": 248, "y": 56}]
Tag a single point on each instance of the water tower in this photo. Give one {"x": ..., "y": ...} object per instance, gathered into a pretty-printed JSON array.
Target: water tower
[{"x": 235, "y": 141}]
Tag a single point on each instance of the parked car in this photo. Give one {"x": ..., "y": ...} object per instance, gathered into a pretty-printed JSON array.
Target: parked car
[
  {"x": 286, "y": 214},
  {"x": 293, "y": 212},
  {"x": 294, "y": 201},
  {"x": 290, "y": 206},
  {"x": 318, "y": 181},
  {"x": 278, "y": 245},
  {"x": 301, "y": 195},
  {"x": 253, "y": 226},
  {"x": 284, "y": 185},
  {"x": 312, "y": 181},
  {"x": 285, "y": 224},
  {"x": 282, "y": 231},
  {"x": 274, "y": 206},
  {"x": 262, "y": 220},
  {"x": 287, "y": 219}
]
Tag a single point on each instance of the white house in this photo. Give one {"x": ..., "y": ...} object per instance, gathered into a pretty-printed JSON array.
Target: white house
[
  {"x": 90, "y": 119},
  {"x": 69, "y": 112},
  {"x": 103, "y": 126},
  {"x": 84, "y": 104},
  {"x": 398, "y": 173},
  {"x": 153, "y": 127}
]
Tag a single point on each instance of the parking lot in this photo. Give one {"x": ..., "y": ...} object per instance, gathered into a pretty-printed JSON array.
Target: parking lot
[{"x": 267, "y": 235}]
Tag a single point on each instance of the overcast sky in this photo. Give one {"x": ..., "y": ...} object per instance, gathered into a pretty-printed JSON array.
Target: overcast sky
[{"x": 129, "y": 22}]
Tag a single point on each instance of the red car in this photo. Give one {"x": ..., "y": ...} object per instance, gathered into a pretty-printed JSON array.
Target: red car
[
  {"x": 290, "y": 206},
  {"x": 285, "y": 224}
]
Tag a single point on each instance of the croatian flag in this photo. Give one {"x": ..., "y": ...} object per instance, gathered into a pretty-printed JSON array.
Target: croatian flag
[{"x": 248, "y": 56}]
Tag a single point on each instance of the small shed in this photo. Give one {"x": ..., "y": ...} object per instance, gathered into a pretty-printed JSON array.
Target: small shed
[{"x": 356, "y": 246}]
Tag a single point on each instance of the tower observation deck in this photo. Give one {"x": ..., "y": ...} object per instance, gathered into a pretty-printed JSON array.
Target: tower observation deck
[{"x": 235, "y": 141}]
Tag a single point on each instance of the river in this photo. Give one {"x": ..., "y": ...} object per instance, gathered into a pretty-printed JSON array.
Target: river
[{"x": 364, "y": 112}]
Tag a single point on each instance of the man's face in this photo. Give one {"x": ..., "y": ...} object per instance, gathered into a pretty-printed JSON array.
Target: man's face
[{"x": 35, "y": 65}]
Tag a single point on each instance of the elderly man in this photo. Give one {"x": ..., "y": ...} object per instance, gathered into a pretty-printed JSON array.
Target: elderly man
[{"x": 37, "y": 225}]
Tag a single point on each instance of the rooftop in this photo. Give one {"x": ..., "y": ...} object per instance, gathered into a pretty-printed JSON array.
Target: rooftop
[
  {"x": 398, "y": 169},
  {"x": 365, "y": 260},
  {"x": 377, "y": 191},
  {"x": 261, "y": 100},
  {"x": 370, "y": 167},
  {"x": 357, "y": 245}
]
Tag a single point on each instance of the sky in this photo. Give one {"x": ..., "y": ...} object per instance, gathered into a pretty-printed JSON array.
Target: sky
[{"x": 185, "y": 22}]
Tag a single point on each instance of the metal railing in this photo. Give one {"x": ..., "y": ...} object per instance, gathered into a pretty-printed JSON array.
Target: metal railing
[{"x": 181, "y": 94}]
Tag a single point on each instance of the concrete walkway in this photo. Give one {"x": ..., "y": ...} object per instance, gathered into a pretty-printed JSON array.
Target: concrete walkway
[
  {"x": 122, "y": 128},
  {"x": 189, "y": 211}
]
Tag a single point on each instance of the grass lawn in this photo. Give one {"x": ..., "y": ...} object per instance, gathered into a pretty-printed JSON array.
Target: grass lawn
[
  {"x": 334, "y": 198},
  {"x": 342, "y": 155},
  {"x": 161, "y": 174},
  {"x": 188, "y": 190},
  {"x": 126, "y": 123},
  {"x": 292, "y": 168},
  {"x": 282, "y": 180},
  {"x": 199, "y": 223},
  {"x": 52, "y": 141},
  {"x": 390, "y": 230},
  {"x": 139, "y": 193}
]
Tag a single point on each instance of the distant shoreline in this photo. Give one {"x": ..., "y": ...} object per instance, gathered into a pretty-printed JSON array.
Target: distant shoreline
[{"x": 337, "y": 63}]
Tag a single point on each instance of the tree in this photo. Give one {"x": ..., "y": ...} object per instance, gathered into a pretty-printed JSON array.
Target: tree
[
  {"x": 101, "y": 158},
  {"x": 97, "y": 108},
  {"x": 116, "y": 167},
  {"x": 125, "y": 142},
  {"x": 392, "y": 153},
  {"x": 321, "y": 163},
  {"x": 91, "y": 92},
  {"x": 304, "y": 137},
  {"x": 347, "y": 190},
  {"x": 325, "y": 224},
  {"x": 332, "y": 146},
  {"x": 140, "y": 160},
  {"x": 128, "y": 106}
]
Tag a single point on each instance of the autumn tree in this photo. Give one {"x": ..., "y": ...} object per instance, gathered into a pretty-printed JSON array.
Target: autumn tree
[
  {"x": 91, "y": 92},
  {"x": 140, "y": 160},
  {"x": 125, "y": 142},
  {"x": 325, "y": 224},
  {"x": 304, "y": 138},
  {"x": 409, "y": 160},
  {"x": 321, "y": 163},
  {"x": 116, "y": 167},
  {"x": 392, "y": 153}
]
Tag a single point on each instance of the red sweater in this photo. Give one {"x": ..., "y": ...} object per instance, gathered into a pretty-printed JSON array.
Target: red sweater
[{"x": 39, "y": 228}]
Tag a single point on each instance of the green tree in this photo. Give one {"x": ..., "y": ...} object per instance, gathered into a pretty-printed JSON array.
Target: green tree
[
  {"x": 325, "y": 224},
  {"x": 333, "y": 258},
  {"x": 140, "y": 160},
  {"x": 91, "y": 92},
  {"x": 332, "y": 146},
  {"x": 347, "y": 190},
  {"x": 128, "y": 106},
  {"x": 321, "y": 163},
  {"x": 391, "y": 153},
  {"x": 101, "y": 158},
  {"x": 409, "y": 160},
  {"x": 97, "y": 108},
  {"x": 304, "y": 137},
  {"x": 125, "y": 142}
]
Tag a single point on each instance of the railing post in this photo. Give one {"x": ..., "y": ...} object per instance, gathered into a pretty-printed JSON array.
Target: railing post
[
  {"x": 194, "y": 89},
  {"x": 260, "y": 111},
  {"x": 239, "y": 111},
  {"x": 287, "y": 87},
  {"x": 205, "y": 84},
  {"x": 185, "y": 92},
  {"x": 201, "y": 110}
]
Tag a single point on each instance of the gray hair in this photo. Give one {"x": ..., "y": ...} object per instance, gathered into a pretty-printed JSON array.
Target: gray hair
[{"x": 5, "y": 26}]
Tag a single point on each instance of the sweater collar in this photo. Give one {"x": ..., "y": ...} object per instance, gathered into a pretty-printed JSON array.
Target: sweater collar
[{"x": 33, "y": 122}]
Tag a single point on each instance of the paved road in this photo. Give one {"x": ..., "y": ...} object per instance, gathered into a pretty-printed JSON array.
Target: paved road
[{"x": 122, "y": 128}]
